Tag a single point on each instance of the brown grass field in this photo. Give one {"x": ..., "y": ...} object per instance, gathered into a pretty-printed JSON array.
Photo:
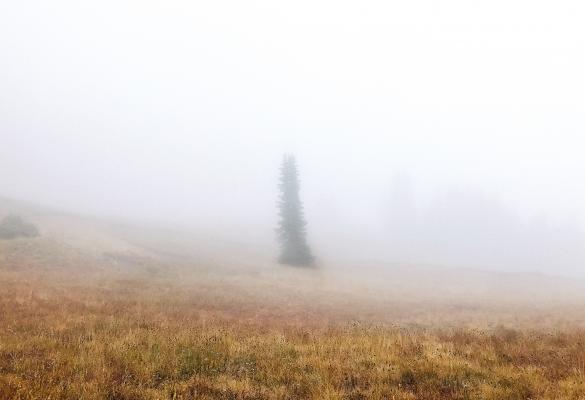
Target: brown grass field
[{"x": 118, "y": 321}]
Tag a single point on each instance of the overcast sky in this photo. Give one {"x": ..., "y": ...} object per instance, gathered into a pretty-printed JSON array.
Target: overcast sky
[{"x": 181, "y": 110}]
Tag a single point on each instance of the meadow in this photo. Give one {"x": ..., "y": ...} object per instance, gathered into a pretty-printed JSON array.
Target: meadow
[{"x": 89, "y": 324}]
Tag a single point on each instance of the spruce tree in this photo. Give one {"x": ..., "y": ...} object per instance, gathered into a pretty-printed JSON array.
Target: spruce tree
[{"x": 292, "y": 233}]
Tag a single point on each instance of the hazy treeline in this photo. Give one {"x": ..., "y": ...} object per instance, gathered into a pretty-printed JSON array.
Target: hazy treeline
[
  {"x": 454, "y": 227},
  {"x": 471, "y": 229}
]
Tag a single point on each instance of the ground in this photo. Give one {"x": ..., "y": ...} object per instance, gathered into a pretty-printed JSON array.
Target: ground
[{"x": 106, "y": 317}]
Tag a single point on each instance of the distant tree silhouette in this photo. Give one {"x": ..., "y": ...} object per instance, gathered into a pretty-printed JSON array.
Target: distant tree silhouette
[{"x": 291, "y": 230}]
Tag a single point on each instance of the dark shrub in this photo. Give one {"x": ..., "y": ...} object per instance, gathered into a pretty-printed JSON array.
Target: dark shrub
[{"x": 13, "y": 226}]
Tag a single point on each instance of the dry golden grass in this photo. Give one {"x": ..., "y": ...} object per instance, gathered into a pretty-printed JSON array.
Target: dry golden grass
[{"x": 123, "y": 326}]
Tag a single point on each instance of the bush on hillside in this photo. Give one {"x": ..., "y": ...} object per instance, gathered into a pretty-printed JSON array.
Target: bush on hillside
[{"x": 13, "y": 226}]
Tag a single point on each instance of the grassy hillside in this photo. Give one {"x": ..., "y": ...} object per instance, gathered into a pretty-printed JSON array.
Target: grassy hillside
[{"x": 92, "y": 311}]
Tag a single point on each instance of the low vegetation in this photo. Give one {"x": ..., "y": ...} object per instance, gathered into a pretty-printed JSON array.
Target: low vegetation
[
  {"x": 138, "y": 338},
  {"x": 96, "y": 318},
  {"x": 13, "y": 226}
]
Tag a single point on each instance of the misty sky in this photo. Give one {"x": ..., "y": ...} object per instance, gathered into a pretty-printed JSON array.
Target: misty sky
[{"x": 181, "y": 110}]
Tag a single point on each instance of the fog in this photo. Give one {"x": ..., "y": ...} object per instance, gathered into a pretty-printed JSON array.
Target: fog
[{"x": 430, "y": 132}]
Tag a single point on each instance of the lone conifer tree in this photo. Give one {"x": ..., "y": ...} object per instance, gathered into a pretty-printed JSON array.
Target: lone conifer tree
[{"x": 291, "y": 230}]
